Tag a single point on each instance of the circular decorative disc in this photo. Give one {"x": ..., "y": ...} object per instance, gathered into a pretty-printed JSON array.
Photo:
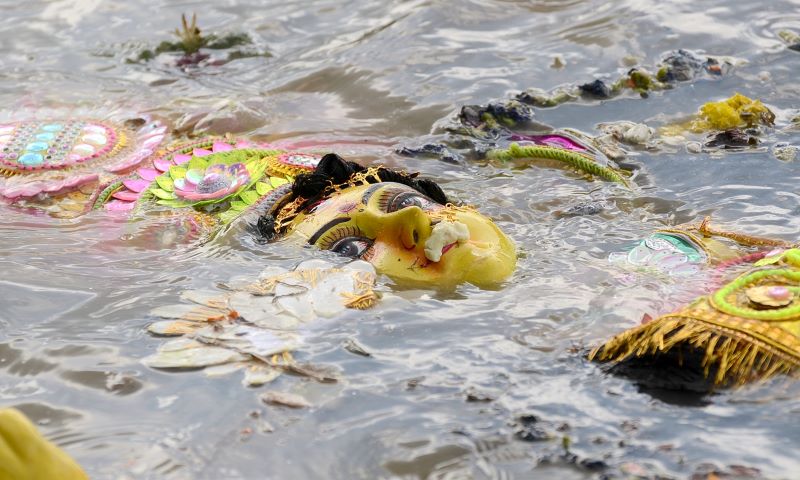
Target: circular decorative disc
[
  {"x": 770, "y": 296},
  {"x": 42, "y": 160},
  {"x": 55, "y": 144}
]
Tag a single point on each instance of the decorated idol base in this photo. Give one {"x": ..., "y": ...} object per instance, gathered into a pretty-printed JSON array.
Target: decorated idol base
[{"x": 41, "y": 160}]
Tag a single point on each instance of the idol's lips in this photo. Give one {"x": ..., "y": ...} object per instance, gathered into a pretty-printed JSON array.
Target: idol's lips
[
  {"x": 448, "y": 247},
  {"x": 444, "y": 236}
]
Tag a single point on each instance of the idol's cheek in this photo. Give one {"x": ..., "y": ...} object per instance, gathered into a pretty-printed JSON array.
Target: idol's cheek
[
  {"x": 492, "y": 268},
  {"x": 403, "y": 264},
  {"x": 493, "y": 256}
]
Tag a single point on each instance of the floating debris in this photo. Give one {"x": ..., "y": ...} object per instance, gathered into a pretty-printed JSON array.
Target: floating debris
[
  {"x": 352, "y": 346},
  {"x": 508, "y": 114},
  {"x": 257, "y": 375},
  {"x": 256, "y": 325},
  {"x": 596, "y": 89},
  {"x": 784, "y": 152},
  {"x": 628, "y": 132},
  {"x": 737, "y": 111},
  {"x": 733, "y": 139},
  {"x": 191, "y": 354},
  {"x": 283, "y": 399},
  {"x": 694, "y": 147},
  {"x": 591, "y": 207},
  {"x": 791, "y": 39},
  {"x": 684, "y": 65},
  {"x": 676, "y": 67}
]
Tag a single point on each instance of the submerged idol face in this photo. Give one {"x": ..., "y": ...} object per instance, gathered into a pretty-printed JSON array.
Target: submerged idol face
[{"x": 408, "y": 236}]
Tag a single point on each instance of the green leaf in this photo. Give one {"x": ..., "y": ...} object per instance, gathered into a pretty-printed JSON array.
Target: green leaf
[
  {"x": 277, "y": 181},
  {"x": 769, "y": 260},
  {"x": 249, "y": 197},
  {"x": 262, "y": 188},
  {"x": 228, "y": 216},
  {"x": 165, "y": 183},
  {"x": 177, "y": 171},
  {"x": 237, "y": 205},
  {"x": 162, "y": 194},
  {"x": 199, "y": 163}
]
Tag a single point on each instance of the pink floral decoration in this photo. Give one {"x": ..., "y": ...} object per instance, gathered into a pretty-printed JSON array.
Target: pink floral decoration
[{"x": 217, "y": 181}]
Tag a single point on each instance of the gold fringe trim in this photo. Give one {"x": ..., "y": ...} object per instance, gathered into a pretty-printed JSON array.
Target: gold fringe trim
[
  {"x": 360, "y": 302},
  {"x": 739, "y": 357},
  {"x": 707, "y": 230}
]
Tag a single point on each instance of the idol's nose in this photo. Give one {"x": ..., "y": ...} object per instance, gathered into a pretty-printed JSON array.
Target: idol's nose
[{"x": 414, "y": 227}]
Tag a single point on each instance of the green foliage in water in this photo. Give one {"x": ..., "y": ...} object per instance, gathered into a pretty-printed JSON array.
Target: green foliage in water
[{"x": 191, "y": 40}]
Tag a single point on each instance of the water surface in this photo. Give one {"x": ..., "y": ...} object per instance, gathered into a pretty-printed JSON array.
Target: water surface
[{"x": 75, "y": 293}]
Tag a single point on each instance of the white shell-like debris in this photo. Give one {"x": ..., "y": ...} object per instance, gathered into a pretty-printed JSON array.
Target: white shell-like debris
[
  {"x": 224, "y": 369},
  {"x": 204, "y": 297},
  {"x": 246, "y": 339},
  {"x": 629, "y": 132},
  {"x": 194, "y": 357},
  {"x": 444, "y": 233},
  {"x": 247, "y": 325},
  {"x": 262, "y": 311},
  {"x": 786, "y": 153},
  {"x": 173, "y": 311},
  {"x": 314, "y": 264},
  {"x": 174, "y": 327},
  {"x": 257, "y": 375},
  {"x": 694, "y": 147},
  {"x": 638, "y": 134},
  {"x": 328, "y": 294}
]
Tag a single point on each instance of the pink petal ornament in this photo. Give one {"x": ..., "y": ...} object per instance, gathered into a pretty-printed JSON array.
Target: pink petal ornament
[
  {"x": 181, "y": 158},
  {"x": 222, "y": 147},
  {"x": 136, "y": 185},
  {"x": 161, "y": 164},
  {"x": 217, "y": 181},
  {"x": 126, "y": 195},
  {"x": 148, "y": 174}
]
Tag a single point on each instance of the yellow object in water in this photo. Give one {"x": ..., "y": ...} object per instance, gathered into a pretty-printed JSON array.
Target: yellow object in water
[
  {"x": 734, "y": 112},
  {"x": 26, "y": 455}
]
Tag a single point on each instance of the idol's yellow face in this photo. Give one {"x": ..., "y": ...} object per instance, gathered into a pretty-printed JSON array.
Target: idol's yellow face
[{"x": 409, "y": 237}]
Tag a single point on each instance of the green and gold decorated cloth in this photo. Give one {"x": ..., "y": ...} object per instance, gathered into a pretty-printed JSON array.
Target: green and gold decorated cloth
[
  {"x": 748, "y": 329},
  {"x": 207, "y": 183}
]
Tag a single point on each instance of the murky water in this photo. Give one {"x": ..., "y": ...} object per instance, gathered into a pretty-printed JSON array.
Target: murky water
[{"x": 456, "y": 378}]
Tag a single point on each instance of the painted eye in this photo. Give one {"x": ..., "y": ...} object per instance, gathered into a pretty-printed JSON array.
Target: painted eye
[
  {"x": 353, "y": 247},
  {"x": 409, "y": 199}
]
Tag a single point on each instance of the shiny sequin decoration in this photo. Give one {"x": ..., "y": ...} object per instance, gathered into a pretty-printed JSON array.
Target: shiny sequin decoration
[
  {"x": 300, "y": 160},
  {"x": 53, "y": 145}
]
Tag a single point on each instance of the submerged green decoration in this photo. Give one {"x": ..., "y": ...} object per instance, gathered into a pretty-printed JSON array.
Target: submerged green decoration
[{"x": 576, "y": 160}]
